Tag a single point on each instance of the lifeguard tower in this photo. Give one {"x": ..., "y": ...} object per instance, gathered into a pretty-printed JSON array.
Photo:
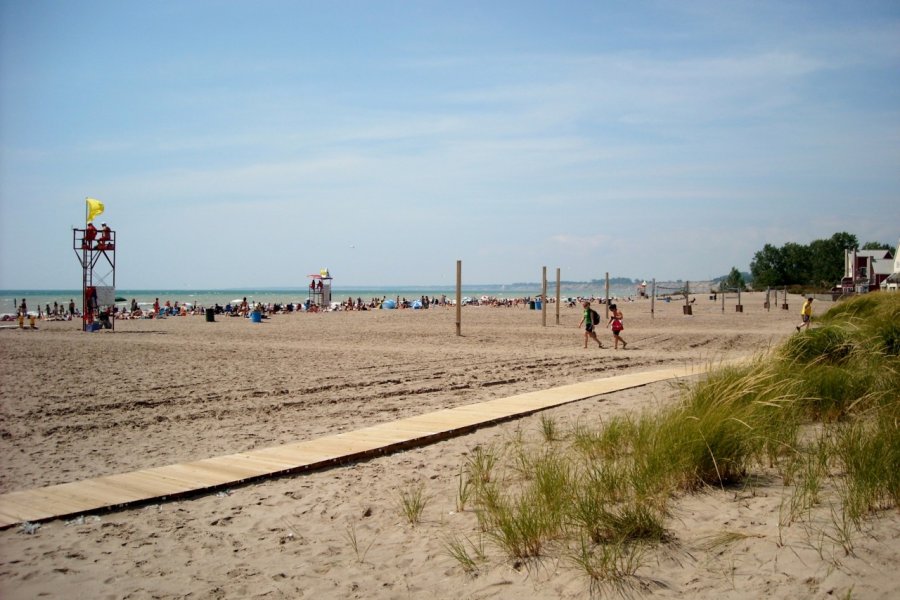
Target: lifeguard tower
[
  {"x": 96, "y": 251},
  {"x": 320, "y": 289}
]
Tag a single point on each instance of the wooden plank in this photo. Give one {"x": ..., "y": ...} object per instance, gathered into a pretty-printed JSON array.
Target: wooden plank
[
  {"x": 346, "y": 445},
  {"x": 164, "y": 485},
  {"x": 262, "y": 465},
  {"x": 112, "y": 491},
  {"x": 382, "y": 437},
  {"x": 18, "y": 507},
  {"x": 238, "y": 468},
  {"x": 202, "y": 474}
]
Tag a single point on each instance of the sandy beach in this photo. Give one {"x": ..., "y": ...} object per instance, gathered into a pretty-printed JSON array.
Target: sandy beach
[{"x": 158, "y": 392}]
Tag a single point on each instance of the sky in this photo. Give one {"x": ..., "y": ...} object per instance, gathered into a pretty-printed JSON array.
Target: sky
[{"x": 248, "y": 144}]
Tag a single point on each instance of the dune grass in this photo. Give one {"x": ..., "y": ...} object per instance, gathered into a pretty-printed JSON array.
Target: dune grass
[
  {"x": 605, "y": 490},
  {"x": 412, "y": 503}
]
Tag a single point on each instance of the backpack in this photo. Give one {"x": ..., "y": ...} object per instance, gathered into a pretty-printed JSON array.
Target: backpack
[{"x": 595, "y": 317}]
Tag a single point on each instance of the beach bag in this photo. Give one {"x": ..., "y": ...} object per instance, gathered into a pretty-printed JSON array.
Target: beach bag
[
  {"x": 617, "y": 325},
  {"x": 595, "y": 317}
]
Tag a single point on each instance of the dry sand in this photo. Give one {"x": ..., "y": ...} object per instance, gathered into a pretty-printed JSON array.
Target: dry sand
[{"x": 152, "y": 393}]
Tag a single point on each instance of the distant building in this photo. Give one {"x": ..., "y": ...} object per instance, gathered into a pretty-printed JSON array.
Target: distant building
[
  {"x": 892, "y": 282},
  {"x": 865, "y": 270}
]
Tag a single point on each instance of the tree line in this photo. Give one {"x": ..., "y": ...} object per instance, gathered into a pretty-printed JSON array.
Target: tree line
[{"x": 819, "y": 263}]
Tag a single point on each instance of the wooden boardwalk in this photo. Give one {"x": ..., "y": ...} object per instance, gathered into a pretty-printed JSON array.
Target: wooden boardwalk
[{"x": 203, "y": 475}]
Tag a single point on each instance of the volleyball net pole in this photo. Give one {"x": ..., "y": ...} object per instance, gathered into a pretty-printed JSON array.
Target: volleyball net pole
[
  {"x": 459, "y": 297},
  {"x": 557, "y": 295},
  {"x": 607, "y": 296},
  {"x": 544, "y": 296}
]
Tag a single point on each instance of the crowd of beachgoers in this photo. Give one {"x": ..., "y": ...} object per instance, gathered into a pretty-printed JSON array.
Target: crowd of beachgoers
[
  {"x": 58, "y": 312},
  {"x": 61, "y": 311}
]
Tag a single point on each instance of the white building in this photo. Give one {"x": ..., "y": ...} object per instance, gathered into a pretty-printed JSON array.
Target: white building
[
  {"x": 892, "y": 283},
  {"x": 866, "y": 270}
]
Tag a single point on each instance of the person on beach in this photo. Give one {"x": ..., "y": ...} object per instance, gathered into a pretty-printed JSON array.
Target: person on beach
[
  {"x": 589, "y": 321},
  {"x": 805, "y": 314},
  {"x": 105, "y": 242},
  {"x": 615, "y": 322},
  {"x": 90, "y": 234}
]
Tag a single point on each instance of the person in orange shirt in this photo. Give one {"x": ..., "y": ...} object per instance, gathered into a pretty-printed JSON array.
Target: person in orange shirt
[
  {"x": 90, "y": 234},
  {"x": 105, "y": 238}
]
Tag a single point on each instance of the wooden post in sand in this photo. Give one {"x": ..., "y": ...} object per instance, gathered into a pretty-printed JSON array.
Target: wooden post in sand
[
  {"x": 544, "y": 296},
  {"x": 688, "y": 310},
  {"x": 653, "y": 299},
  {"x": 557, "y": 295},
  {"x": 459, "y": 297},
  {"x": 607, "y": 296}
]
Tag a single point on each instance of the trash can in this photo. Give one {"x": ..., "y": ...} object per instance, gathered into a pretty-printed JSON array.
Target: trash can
[
  {"x": 210, "y": 315},
  {"x": 531, "y": 305},
  {"x": 688, "y": 310},
  {"x": 537, "y": 305},
  {"x": 256, "y": 316}
]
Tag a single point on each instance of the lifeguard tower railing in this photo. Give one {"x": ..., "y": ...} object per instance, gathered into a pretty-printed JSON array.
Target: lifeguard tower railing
[
  {"x": 319, "y": 291},
  {"x": 98, "y": 277}
]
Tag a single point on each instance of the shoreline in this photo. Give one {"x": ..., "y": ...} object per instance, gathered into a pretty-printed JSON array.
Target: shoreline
[{"x": 9, "y": 299}]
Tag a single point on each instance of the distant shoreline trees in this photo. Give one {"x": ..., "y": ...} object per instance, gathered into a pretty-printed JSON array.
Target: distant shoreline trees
[{"x": 820, "y": 264}]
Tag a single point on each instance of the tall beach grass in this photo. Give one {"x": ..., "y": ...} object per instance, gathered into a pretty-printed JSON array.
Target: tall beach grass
[{"x": 606, "y": 490}]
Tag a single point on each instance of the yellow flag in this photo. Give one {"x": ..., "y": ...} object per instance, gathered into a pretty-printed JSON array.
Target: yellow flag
[{"x": 94, "y": 208}]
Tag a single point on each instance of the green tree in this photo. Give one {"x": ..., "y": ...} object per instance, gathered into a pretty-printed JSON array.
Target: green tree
[
  {"x": 767, "y": 267},
  {"x": 821, "y": 263},
  {"x": 876, "y": 246},
  {"x": 734, "y": 281},
  {"x": 844, "y": 240},
  {"x": 827, "y": 259},
  {"x": 797, "y": 263},
  {"x": 827, "y": 256}
]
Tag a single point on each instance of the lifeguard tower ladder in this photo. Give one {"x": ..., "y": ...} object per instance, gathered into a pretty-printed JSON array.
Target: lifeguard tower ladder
[
  {"x": 320, "y": 289},
  {"x": 98, "y": 279}
]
